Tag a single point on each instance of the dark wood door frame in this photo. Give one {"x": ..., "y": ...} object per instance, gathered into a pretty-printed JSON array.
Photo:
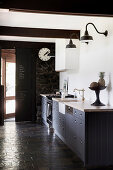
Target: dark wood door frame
[{"x": 10, "y": 58}]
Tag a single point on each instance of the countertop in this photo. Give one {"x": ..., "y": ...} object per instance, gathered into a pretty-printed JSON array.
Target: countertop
[
  {"x": 44, "y": 95},
  {"x": 84, "y": 106},
  {"x": 80, "y": 105}
]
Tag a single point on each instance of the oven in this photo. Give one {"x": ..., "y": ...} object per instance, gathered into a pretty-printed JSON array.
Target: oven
[{"x": 49, "y": 106}]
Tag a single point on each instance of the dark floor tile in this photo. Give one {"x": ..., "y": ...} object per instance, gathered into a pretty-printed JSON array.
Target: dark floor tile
[{"x": 28, "y": 146}]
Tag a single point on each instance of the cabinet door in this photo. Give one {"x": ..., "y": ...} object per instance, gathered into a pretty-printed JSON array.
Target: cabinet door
[
  {"x": 69, "y": 129},
  {"x": 79, "y": 132},
  {"x": 62, "y": 124},
  {"x": 58, "y": 119},
  {"x": 75, "y": 134},
  {"x": 44, "y": 107},
  {"x": 55, "y": 114}
]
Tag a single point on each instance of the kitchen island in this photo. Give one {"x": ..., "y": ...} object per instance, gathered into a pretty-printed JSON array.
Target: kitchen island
[{"x": 86, "y": 129}]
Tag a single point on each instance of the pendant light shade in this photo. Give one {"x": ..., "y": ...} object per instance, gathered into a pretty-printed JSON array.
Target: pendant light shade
[
  {"x": 70, "y": 45},
  {"x": 87, "y": 38}
]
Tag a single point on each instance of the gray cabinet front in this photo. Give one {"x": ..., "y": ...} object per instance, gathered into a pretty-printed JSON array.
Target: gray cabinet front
[
  {"x": 75, "y": 132},
  {"x": 58, "y": 120},
  {"x": 88, "y": 134},
  {"x": 70, "y": 127},
  {"x": 44, "y": 108}
]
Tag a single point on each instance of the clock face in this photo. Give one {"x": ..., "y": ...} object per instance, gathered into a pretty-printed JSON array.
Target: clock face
[{"x": 43, "y": 54}]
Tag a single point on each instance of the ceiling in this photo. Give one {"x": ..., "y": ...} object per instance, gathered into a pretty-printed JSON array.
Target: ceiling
[
  {"x": 72, "y": 6},
  {"x": 28, "y": 39}
]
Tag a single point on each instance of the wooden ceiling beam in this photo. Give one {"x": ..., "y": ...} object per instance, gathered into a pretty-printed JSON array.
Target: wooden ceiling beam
[
  {"x": 24, "y": 44},
  {"x": 38, "y": 32}
]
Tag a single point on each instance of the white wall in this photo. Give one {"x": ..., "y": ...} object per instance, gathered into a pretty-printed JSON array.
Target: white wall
[{"x": 93, "y": 58}]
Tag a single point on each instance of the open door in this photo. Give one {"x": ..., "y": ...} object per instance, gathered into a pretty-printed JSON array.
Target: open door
[
  {"x": 25, "y": 85},
  {"x": 8, "y": 69}
]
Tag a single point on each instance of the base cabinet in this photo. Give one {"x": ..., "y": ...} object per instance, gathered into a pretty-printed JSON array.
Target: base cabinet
[
  {"x": 88, "y": 134},
  {"x": 75, "y": 133},
  {"x": 44, "y": 109},
  {"x": 70, "y": 128},
  {"x": 58, "y": 120}
]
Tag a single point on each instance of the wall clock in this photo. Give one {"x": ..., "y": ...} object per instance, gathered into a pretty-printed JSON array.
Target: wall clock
[{"x": 43, "y": 54}]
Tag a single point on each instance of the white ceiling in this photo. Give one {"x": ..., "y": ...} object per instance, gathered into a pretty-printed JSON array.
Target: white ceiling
[
  {"x": 28, "y": 39},
  {"x": 33, "y": 20},
  {"x": 40, "y": 20}
]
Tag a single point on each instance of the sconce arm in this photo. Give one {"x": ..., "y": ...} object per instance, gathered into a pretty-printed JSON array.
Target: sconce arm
[{"x": 105, "y": 33}]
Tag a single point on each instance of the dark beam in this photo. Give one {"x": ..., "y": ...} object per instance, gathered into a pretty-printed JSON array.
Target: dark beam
[
  {"x": 24, "y": 44},
  {"x": 38, "y": 32},
  {"x": 60, "y": 13}
]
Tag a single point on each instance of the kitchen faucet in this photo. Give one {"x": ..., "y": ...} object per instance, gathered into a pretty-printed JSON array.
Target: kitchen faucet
[{"x": 80, "y": 90}]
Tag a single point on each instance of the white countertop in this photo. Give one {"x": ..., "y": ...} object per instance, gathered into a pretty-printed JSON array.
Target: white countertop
[
  {"x": 83, "y": 106},
  {"x": 80, "y": 105}
]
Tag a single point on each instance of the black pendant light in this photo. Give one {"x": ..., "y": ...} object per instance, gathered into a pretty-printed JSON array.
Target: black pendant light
[
  {"x": 71, "y": 45},
  {"x": 87, "y": 38}
]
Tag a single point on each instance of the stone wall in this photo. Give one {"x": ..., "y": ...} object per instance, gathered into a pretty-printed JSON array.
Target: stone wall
[{"x": 47, "y": 79}]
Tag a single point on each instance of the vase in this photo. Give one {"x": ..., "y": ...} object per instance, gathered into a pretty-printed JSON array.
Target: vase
[{"x": 97, "y": 92}]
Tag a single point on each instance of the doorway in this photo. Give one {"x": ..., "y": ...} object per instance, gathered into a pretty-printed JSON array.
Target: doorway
[{"x": 8, "y": 70}]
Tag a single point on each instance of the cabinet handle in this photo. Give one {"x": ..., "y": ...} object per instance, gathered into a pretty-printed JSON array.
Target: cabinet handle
[
  {"x": 81, "y": 142},
  {"x": 75, "y": 121}
]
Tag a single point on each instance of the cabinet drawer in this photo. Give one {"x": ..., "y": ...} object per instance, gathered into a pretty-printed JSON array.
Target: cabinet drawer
[
  {"x": 69, "y": 110},
  {"x": 78, "y": 113},
  {"x": 78, "y": 127}
]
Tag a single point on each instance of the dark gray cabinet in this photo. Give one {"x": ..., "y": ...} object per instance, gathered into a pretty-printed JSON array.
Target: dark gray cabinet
[
  {"x": 58, "y": 121},
  {"x": 75, "y": 131},
  {"x": 70, "y": 128},
  {"x": 88, "y": 134},
  {"x": 44, "y": 109}
]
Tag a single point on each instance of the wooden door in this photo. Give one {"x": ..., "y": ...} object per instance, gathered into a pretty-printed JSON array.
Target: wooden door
[
  {"x": 25, "y": 85},
  {"x": 8, "y": 80}
]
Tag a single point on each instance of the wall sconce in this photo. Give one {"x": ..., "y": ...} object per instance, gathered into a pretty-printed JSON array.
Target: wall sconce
[
  {"x": 71, "y": 45},
  {"x": 87, "y": 38}
]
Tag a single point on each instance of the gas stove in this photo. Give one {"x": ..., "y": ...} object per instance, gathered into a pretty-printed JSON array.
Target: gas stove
[
  {"x": 50, "y": 96},
  {"x": 53, "y": 95}
]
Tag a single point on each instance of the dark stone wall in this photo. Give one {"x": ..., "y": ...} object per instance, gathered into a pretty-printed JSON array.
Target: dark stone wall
[{"x": 47, "y": 79}]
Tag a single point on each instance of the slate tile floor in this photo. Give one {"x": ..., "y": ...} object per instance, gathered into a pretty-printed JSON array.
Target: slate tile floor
[{"x": 28, "y": 146}]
